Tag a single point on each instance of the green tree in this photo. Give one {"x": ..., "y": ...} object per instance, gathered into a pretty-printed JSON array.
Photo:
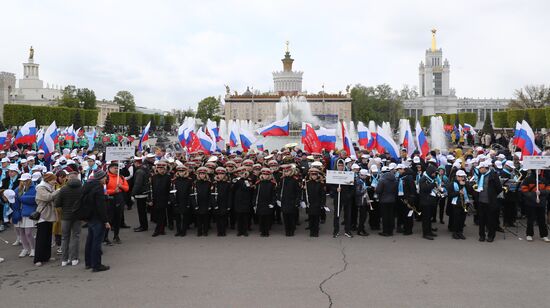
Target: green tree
[
  {"x": 69, "y": 97},
  {"x": 488, "y": 125},
  {"x": 133, "y": 128},
  {"x": 208, "y": 108},
  {"x": 531, "y": 96},
  {"x": 87, "y": 97},
  {"x": 380, "y": 103},
  {"x": 125, "y": 100},
  {"x": 188, "y": 113},
  {"x": 77, "y": 119},
  {"x": 108, "y": 125},
  {"x": 2, "y": 128}
]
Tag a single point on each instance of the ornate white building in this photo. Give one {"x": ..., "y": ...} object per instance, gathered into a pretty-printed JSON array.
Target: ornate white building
[
  {"x": 435, "y": 95},
  {"x": 258, "y": 107}
]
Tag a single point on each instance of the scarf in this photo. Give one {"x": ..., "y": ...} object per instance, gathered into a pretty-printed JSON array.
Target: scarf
[
  {"x": 400, "y": 191},
  {"x": 481, "y": 180},
  {"x": 374, "y": 181},
  {"x": 430, "y": 180},
  {"x": 457, "y": 188}
]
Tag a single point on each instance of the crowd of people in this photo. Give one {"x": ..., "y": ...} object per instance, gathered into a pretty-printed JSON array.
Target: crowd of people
[{"x": 46, "y": 199}]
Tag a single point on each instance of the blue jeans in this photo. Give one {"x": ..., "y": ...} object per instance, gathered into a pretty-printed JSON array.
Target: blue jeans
[{"x": 96, "y": 232}]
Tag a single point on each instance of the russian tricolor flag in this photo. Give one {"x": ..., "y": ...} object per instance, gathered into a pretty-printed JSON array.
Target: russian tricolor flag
[
  {"x": 363, "y": 134},
  {"x": 277, "y": 128},
  {"x": 207, "y": 144},
  {"x": 516, "y": 133},
  {"x": 260, "y": 147},
  {"x": 526, "y": 140},
  {"x": 49, "y": 140},
  {"x": 422, "y": 141},
  {"x": 469, "y": 128},
  {"x": 234, "y": 135},
  {"x": 3, "y": 139},
  {"x": 213, "y": 129},
  {"x": 144, "y": 136},
  {"x": 27, "y": 133},
  {"x": 384, "y": 143},
  {"x": 348, "y": 146},
  {"x": 247, "y": 139},
  {"x": 181, "y": 134},
  {"x": 70, "y": 136},
  {"x": 327, "y": 138},
  {"x": 408, "y": 142}
]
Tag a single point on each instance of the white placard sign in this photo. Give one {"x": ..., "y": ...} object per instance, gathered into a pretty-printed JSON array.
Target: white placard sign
[
  {"x": 340, "y": 177},
  {"x": 536, "y": 162},
  {"x": 119, "y": 153}
]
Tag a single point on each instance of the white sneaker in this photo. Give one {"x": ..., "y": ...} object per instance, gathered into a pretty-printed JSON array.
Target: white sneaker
[
  {"x": 529, "y": 238},
  {"x": 32, "y": 253},
  {"x": 59, "y": 251},
  {"x": 64, "y": 263},
  {"x": 38, "y": 264},
  {"x": 74, "y": 262},
  {"x": 23, "y": 253},
  {"x": 1, "y": 260},
  {"x": 546, "y": 239},
  {"x": 16, "y": 243}
]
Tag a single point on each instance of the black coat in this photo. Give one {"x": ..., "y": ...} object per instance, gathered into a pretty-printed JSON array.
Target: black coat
[
  {"x": 203, "y": 190},
  {"x": 387, "y": 188},
  {"x": 425, "y": 197},
  {"x": 243, "y": 192},
  {"x": 6, "y": 182},
  {"x": 223, "y": 198},
  {"x": 184, "y": 189},
  {"x": 94, "y": 198},
  {"x": 265, "y": 196},
  {"x": 161, "y": 190},
  {"x": 494, "y": 187},
  {"x": 315, "y": 197},
  {"x": 290, "y": 195},
  {"x": 141, "y": 180}
]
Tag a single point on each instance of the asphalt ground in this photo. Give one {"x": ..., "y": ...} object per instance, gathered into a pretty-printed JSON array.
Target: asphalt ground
[{"x": 278, "y": 271}]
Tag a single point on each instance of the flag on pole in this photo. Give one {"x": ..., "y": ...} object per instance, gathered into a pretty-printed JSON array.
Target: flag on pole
[
  {"x": 277, "y": 128},
  {"x": 422, "y": 141},
  {"x": 385, "y": 143},
  {"x": 234, "y": 135},
  {"x": 327, "y": 138},
  {"x": 347, "y": 145},
  {"x": 247, "y": 138},
  {"x": 27, "y": 133},
  {"x": 526, "y": 141},
  {"x": 311, "y": 141},
  {"x": 408, "y": 142},
  {"x": 144, "y": 136}
]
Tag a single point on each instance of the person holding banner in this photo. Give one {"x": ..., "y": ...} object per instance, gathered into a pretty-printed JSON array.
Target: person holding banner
[
  {"x": 342, "y": 196},
  {"x": 536, "y": 199},
  {"x": 116, "y": 187}
]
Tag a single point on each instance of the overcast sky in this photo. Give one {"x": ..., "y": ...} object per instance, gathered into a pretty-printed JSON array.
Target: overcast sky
[{"x": 171, "y": 54}]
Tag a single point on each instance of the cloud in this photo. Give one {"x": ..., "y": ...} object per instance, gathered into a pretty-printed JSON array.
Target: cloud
[{"x": 171, "y": 54}]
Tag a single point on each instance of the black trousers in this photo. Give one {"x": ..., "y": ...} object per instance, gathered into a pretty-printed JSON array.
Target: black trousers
[
  {"x": 221, "y": 224},
  {"x": 142, "y": 212},
  {"x": 509, "y": 211},
  {"x": 289, "y": 220},
  {"x": 459, "y": 217},
  {"x": 354, "y": 213},
  {"x": 114, "y": 215},
  {"x": 277, "y": 215},
  {"x": 43, "y": 244},
  {"x": 313, "y": 225},
  {"x": 441, "y": 205},
  {"x": 232, "y": 219},
  {"x": 265, "y": 222},
  {"x": 427, "y": 211},
  {"x": 408, "y": 221},
  {"x": 363, "y": 213},
  {"x": 374, "y": 217},
  {"x": 537, "y": 213},
  {"x": 182, "y": 222},
  {"x": 160, "y": 218},
  {"x": 203, "y": 221},
  {"x": 388, "y": 218},
  {"x": 345, "y": 212},
  {"x": 487, "y": 215},
  {"x": 242, "y": 223}
]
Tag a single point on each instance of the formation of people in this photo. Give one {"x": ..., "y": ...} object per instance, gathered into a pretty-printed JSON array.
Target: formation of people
[{"x": 46, "y": 199}]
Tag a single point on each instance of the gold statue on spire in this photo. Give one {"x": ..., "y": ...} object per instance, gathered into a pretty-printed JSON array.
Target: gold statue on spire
[
  {"x": 286, "y": 46},
  {"x": 433, "y": 40}
]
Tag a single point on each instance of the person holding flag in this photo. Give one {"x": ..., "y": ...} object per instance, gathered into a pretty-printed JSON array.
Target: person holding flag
[{"x": 144, "y": 136}]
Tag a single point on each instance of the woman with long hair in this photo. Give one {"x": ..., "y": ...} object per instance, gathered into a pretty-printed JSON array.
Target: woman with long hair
[{"x": 25, "y": 202}]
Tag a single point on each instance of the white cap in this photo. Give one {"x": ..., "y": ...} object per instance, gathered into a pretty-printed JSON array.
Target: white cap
[
  {"x": 213, "y": 159},
  {"x": 501, "y": 156},
  {"x": 374, "y": 168},
  {"x": 498, "y": 164},
  {"x": 30, "y": 158},
  {"x": 316, "y": 164},
  {"x": 416, "y": 160},
  {"x": 66, "y": 151},
  {"x": 363, "y": 172},
  {"x": 460, "y": 173},
  {"x": 392, "y": 166},
  {"x": 13, "y": 167},
  {"x": 432, "y": 160},
  {"x": 10, "y": 195},
  {"x": 347, "y": 160},
  {"x": 36, "y": 176},
  {"x": 23, "y": 161},
  {"x": 90, "y": 157},
  {"x": 385, "y": 168},
  {"x": 456, "y": 164},
  {"x": 5, "y": 160},
  {"x": 150, "y": 155},
  {"x": 12, "y": 154},
  {"x": 400, "y": 166},
  {"x": 510, "y": 164},
  {"x": 484, "y": 164},
  {"x": 25, "y": 176},
  {"x": 355, "y": 166},
  {"x": 364, "y": 156},
  {"x": 450, "y": 157},
  {"x": 40, "y": 152}
]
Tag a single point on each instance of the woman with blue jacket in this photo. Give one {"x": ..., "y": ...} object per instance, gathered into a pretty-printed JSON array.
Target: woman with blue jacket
[{"x": 25, "y": 205}]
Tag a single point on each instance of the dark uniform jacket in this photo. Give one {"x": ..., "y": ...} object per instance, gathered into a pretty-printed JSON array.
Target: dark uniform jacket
[
  {"x": 184, "y": 189},
  {"x": 265, "y": 196},
  {"x": 315, "y": 197},
  {"x": 290, "y": 194},
  {"x": 161, "y": 190},
  {"x": 243, "y": 192}
]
